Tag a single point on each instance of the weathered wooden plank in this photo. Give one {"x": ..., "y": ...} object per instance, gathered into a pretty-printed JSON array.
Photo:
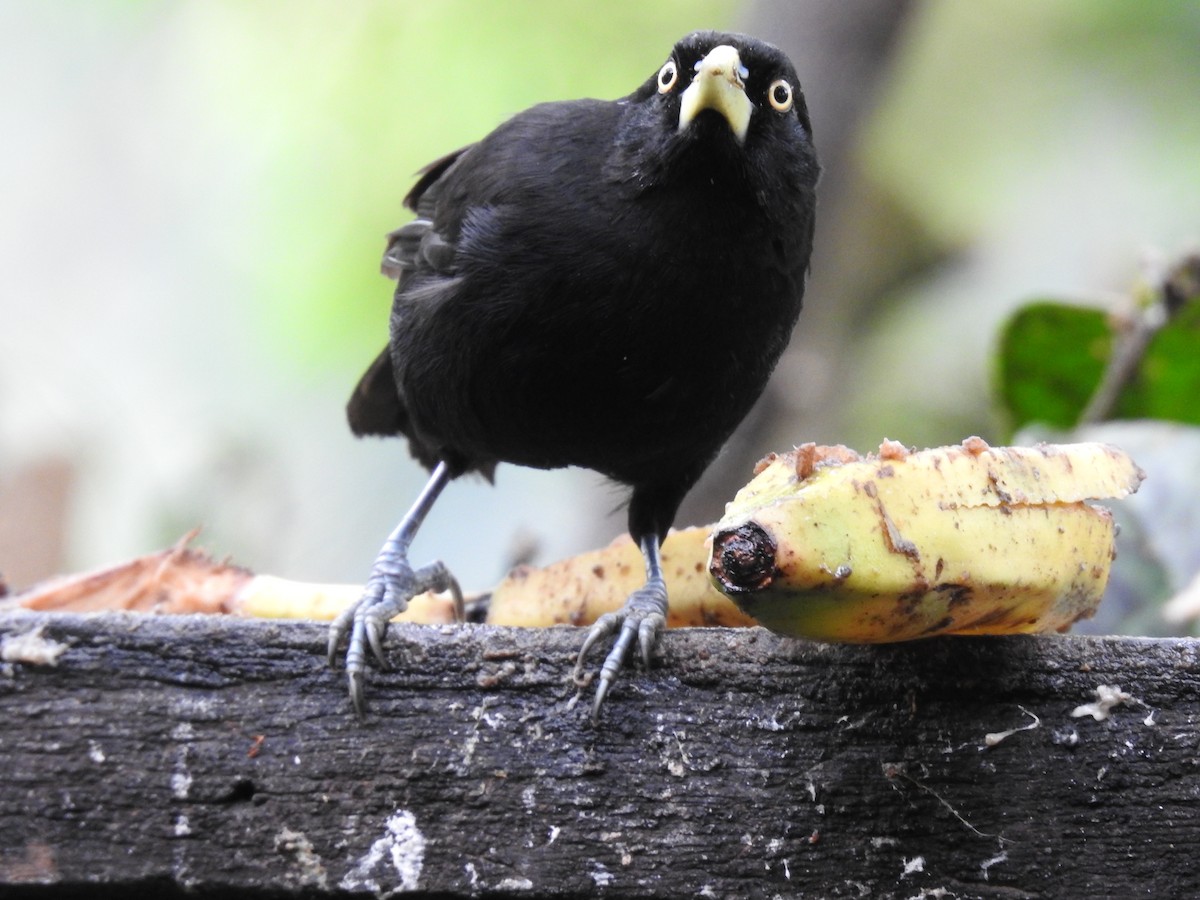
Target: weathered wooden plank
[{"x": 216, "y": 754}]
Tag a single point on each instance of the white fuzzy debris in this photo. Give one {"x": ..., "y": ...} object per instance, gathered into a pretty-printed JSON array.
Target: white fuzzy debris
[
  {"x": 912, "y": 866},
  {"x": 96, "y": 753},
  {"x": 403, "y": 844},
  {"x": 601, "y": 875},
  {"x": 995, "y": 737},
  {"x": 1107, "y": 697},
  {"x": 181, "y": 783},
  {"x": 1000, "y": 857},
  {"x": 181, "y": 776},
  {"x": 31, "y": 648},
  {"x": 515, "y": 884},
  {"x": 296, "y": 844},
  {"x": 182, "y": 827}
]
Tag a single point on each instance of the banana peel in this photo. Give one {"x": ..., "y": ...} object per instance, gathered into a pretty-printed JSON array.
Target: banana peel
[
  {"x": 579, "y": 590},
  {"x": 270, "y": 597},
  {"x": 181, "y": 580},
  {"x": 970, "y": 539},
  {"x": 822, "y": 543}
]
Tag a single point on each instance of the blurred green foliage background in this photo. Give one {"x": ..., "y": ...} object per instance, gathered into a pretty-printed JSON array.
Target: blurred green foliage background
[{"x": 193, "y": 198}]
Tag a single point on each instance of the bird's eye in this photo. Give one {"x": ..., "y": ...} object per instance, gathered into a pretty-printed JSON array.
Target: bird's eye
[
  {"x": 779, "y": 93},
  {"x": 667, "y": 76}
]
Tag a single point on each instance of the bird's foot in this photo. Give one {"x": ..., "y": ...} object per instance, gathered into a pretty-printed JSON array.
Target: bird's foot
[
  {"x": 392, "y": 584},
  {"x": 644, "y": 616}
]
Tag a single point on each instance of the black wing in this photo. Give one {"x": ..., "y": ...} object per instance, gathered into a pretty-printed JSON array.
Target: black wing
[{"x": 375, "y": 407}]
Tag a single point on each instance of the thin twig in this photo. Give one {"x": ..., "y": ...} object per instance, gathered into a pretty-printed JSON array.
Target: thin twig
[
  {"x": 1129, "y": 347},
  {"x": 1131, "y": 342}
]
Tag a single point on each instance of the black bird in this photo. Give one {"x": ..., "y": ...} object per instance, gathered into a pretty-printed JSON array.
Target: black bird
[{"x": 605, "y": 284}]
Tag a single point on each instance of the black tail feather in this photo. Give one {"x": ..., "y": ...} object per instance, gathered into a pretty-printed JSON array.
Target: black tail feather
[{"x": 375, "y": 407}]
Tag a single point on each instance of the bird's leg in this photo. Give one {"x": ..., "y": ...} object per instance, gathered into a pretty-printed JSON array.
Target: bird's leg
[
  {"x": 643, "y": 616},
  {"x": 392, "y": 584}
]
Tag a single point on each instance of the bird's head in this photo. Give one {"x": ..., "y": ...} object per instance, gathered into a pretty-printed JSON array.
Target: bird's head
[{"x": 725, "y": 99}]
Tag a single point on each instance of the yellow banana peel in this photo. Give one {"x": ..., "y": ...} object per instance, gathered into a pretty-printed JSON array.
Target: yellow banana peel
[
  {"x": 182, "y": 581},
  {"x": 579, "y": 590},
  {"x": 970, "y": 539},
  {"x": 269, "y": 597},
  {"x": 822, "y": 543}
]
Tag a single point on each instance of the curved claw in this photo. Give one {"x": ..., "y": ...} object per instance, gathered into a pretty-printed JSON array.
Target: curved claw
[
  {"x": 457, "y": 596},
  {"x": 375, "y": 628},
  {"x": 648, "y": 631},
  {"x": 347, "y": 622},
  {"x": 337, "y": 631},
  {"x": 643, "y": 617},
  {"x": 354, "y": 681},
  {"x": 601, "y": 628},
  {"x": 630, "y": 628}
]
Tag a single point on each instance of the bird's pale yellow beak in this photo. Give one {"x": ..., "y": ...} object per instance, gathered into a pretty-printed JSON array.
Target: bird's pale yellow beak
[{"x": 719, "y": 84}]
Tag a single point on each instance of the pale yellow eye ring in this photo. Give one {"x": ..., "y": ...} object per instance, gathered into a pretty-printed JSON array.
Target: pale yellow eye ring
[
  {"x": 780, "y": 95},
  {"x": 667, "y": 76}
]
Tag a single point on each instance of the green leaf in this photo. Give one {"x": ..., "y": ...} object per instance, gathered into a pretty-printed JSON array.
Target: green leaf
[
  {"x": 1052, "y": 356},
  {"x": 1168, "y": 383}
]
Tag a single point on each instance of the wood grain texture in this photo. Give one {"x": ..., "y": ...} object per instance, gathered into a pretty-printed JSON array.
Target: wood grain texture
[{"x": 220, "y": 755}]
